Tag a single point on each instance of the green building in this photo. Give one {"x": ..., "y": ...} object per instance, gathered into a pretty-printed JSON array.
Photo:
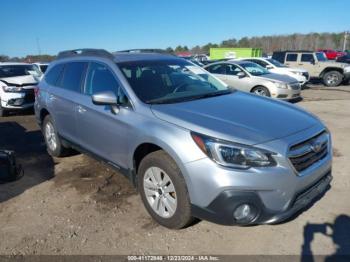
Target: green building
[{"x": 231, "y": 52}]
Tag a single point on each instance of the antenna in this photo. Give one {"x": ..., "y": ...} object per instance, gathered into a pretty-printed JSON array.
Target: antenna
[{"x": 38, "y": 45}]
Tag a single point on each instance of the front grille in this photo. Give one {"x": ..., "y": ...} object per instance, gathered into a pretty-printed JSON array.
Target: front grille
[
  {"x": 306, "y": 74},
  {"x": 307, "y": 153},
  {"x": 295, "y": 86},
  {"x": 29, "y": 96}
]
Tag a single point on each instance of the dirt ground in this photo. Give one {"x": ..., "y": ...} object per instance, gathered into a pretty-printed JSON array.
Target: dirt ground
[{"x": 76, "y": 205}]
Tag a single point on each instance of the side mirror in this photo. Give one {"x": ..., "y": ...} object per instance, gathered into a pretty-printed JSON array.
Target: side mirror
[
  {"x": 268, "y": 67},
  {"x": 241, "y": 74},
  {"x": 106, "y": 98},
  {"x": 312, "y": 61}
]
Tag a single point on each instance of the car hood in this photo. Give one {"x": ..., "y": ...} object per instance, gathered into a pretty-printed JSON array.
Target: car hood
[
  {"x": 278, "y": 78},
  {"x": 20, "y": 80},
  {"x": 239, "y": 117}
]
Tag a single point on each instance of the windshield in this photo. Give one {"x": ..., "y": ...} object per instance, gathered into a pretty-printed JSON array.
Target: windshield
[
  {"x": 275, "y": 62},
  {"x": 19, "y": 70},
  {"x": 254, "y": 69},
  {"x": 170, "y": 81},
  {"x": 321, "y": 56}
]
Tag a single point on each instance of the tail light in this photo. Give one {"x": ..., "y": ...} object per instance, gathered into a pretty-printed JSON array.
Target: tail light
[{"x": 36, "y": 91}]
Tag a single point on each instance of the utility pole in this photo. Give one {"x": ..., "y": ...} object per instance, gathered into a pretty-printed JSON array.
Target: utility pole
[
  {"x": 38, "y": 45},
  {"x": 346, "y": 33}
]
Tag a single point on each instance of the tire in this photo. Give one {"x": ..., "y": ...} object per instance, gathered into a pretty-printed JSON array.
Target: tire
[
  {"x": 332, "y": 78},
  {"x": 175, "y": 216},
  {"x": 51, "y": 137},
  {"x": 261, "y": 91}
]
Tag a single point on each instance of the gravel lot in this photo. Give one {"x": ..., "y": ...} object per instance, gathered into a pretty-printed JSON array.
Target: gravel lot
[{"x": 76, "y": 205}]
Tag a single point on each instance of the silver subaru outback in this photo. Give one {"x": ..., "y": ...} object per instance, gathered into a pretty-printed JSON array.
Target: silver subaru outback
[{"x": 192, "y": 146}]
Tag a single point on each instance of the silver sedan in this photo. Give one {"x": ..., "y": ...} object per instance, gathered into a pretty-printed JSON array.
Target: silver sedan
[{"x": 250, "y": 77}]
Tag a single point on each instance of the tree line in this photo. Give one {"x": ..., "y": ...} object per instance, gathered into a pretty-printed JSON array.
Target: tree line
[{"x": 311, "y": 41}]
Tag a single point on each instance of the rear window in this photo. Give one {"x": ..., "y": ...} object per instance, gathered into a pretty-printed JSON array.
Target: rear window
[
  {"x": 52, "y": 76},
  {"x": 292, "y": 57},
  {"x": 73, "y": 75},
  {"x": 279, "y": 56},
  {"x": 43, "y": 68},
  {"x": 19, "y": 70}
]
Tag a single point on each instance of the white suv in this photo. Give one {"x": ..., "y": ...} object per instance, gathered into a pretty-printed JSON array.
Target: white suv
[
  {"x": 17, "y": 82},
  {"x": 301, "y": 75}
]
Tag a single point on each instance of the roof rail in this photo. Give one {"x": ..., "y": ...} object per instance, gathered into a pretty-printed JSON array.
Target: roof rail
[
  {"x": 85, "y": 52},
  {"x": 295, "y": 51},
  {"x": 144, "y": 50}
]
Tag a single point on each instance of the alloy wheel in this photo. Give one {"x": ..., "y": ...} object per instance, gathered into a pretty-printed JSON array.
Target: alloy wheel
[
  {"x": 160, "y": 192},
  {"x": 50, "y": 136}
]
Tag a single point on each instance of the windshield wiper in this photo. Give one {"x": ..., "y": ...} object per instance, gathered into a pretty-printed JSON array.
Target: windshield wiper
[{"x": 189, "y": 98}]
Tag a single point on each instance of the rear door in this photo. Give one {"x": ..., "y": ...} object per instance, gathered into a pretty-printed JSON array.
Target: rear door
[
  {"x": 64, "y": 98},
  {"x": 291, "y": 60}
]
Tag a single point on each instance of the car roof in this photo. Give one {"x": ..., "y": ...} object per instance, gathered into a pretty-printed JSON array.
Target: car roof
[{"x": 13, "y": 63}]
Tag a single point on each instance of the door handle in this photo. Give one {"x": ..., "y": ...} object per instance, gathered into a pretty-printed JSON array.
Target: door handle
[
  {"x": 52, "y": 97},
  {"x": 81, "y": 110}
]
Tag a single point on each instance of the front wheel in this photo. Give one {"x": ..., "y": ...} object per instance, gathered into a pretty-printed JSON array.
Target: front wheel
[
  {"x": 261, "y": 91},
  {"x": 332, "y": 78},
  {"x": 163, "y": 191}
]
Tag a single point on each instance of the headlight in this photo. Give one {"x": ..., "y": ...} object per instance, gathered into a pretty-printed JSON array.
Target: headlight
[
  {"x": 280, "y": 85},
  {"x": 233, "y": 155},
  {"x": 297, "y": 73},
  {"x": 347, "y": 69},
  {"x": 12, "y": 88}
]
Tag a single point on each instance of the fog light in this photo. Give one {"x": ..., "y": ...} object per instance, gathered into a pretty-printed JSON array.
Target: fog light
[
  {"x": 16, "y": 101},
  {"x": 244, "y": 213}
]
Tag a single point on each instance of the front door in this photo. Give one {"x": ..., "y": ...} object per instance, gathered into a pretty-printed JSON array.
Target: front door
[
  {"x": 237, "y": 78},
  {"x": 100, "y": 130}
]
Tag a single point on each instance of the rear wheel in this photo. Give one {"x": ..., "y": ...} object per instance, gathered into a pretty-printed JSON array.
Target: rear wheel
[
  {"x": 163, "y": 191},
  {"x": 332, "y": 78},
  {"x": 261, "y": 91},
  {"x": 52, "y": 140}
]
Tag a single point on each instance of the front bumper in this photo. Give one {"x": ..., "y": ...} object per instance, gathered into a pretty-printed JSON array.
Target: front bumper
[
  {"x": 221, "y": 209},
  {"x": 286, "y": 94},
  {"x": 346, "y": 76},
  {"x": 18, "y": 101},
  {"x": 274, "y": 189}
]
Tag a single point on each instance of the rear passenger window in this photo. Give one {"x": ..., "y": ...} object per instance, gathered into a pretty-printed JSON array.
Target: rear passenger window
[
  {"x": 52, "y": 76},
  {"x": 307, "y": 57},
  {"x": 99, "y": 78},
  {"x": 73, "y": 75},
  {"x": 292, "y": 57}
]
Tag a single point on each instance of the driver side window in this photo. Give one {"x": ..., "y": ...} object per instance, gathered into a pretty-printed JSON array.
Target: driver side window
[
  {"x": 232, "y": 70},
  {"x": 99, "y": 79}
]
